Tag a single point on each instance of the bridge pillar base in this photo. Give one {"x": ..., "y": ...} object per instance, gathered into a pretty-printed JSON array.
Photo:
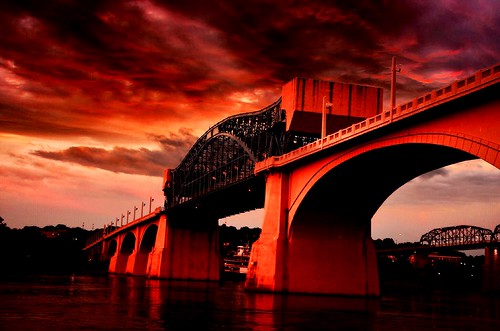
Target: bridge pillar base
[
  {"x": 491, "y": 269},
  {"x": 339, "y": 265},
  {"x": 112, "y": 264},
  {"x": 186, "y": 251},
  {"x": 122, "y": 263},
  {"x": 320, "y": 251}
]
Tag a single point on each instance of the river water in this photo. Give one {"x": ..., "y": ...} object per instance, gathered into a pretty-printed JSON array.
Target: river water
[{"x": 135, "y": 303}]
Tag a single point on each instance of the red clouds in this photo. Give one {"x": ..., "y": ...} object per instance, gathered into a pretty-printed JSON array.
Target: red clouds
[{"x": 114, "y": 84}]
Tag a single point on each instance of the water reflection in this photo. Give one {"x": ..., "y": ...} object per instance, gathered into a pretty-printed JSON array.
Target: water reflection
[{"x": 136, "y": 303}]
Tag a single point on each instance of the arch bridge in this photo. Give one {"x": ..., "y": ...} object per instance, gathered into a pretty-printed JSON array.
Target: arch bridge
[{"x": 321, "y": 160}]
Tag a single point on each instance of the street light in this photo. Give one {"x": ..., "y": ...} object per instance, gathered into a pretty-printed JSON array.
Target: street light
[
  {"x": 150, "y": 202},
  {"x": 323, "y": 120},
  {"x": 393, "y": 83}
]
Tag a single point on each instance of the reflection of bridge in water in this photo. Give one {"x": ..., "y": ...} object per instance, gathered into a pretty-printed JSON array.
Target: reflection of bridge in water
[{"x": 307, "y": 159}]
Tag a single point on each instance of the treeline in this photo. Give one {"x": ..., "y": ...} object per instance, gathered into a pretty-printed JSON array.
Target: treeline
[
  {"x": 51, "y": 249},
  {"x": 230, "y": 238},
  {"x": 59, "y": 249}
]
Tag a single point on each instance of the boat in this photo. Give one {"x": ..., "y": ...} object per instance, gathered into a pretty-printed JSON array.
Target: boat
[{"x": 236, "y": 266}]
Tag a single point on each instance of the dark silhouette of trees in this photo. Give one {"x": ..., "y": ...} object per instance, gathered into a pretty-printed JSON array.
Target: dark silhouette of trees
[{"x": 52, "y": 249}]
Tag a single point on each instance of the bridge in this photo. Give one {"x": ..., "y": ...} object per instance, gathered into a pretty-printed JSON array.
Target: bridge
[
  {"x": 454, "y": 238},
  {"x": 320, "y": 160},
  {"x": 460, "y": 237}
]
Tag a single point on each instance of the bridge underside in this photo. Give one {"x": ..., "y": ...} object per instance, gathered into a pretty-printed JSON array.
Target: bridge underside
[
  {"x": 326, "y": 246},
  {"x": 238, "y": 198}
]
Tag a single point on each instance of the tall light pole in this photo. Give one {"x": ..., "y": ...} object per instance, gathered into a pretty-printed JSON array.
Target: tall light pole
[
  {"x": 323, "y": 118},
  {"x": 150, "y": 202},
  {"x": 393, "y": 83}
]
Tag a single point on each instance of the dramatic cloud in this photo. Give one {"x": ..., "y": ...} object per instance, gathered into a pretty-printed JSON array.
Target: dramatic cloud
[
  {"x": 124, "y": 88},
  {"x": 130, "y": 161}
]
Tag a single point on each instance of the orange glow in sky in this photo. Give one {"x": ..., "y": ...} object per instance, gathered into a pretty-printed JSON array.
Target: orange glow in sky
[{"x": 97, "y": 98}]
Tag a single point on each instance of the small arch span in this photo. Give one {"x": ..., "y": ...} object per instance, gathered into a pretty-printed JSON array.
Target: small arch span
[
  {"x": 112, "y": 248},
  {"x": 149, "y": 239},
  {"x": 128, "y": 244}
]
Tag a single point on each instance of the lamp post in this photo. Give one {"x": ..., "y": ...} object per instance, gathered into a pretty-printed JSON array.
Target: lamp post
[
  {"x": 150, "y": 202},
  {"x": 393, "y": 83},
  {"x": 135, "y": 209},
  {"x": 323, "y": 118}
]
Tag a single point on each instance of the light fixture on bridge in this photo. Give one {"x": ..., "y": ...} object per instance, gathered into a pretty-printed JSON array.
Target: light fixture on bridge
[
  {"x": 150, "y": 203},
  {"x": 393, "y": 82},
  {"x": 326, "y": 105}
]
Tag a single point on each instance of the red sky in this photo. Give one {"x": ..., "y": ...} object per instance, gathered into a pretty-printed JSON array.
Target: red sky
[{"x": 98, "y": 97}]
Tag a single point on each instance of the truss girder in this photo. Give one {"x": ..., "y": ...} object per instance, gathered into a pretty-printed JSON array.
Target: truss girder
[
  {"x": 227, "y": 153},
  {"x": 457, "y": 235},
  {"x": 496, "y": 233}
]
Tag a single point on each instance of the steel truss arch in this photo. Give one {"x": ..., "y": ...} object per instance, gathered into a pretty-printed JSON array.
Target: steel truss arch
[
  {"x": 496, "y": 233},
  {"x": 227, "y": 153},
  {"x": 457, "y": 235}
]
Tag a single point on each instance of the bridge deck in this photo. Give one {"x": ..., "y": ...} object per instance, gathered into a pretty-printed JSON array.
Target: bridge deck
[{"x": 479, "y": 80}]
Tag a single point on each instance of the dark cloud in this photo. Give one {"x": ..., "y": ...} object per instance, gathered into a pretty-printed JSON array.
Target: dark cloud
[
  {"x": 444, "y": 186},
  {"x": 442, "y": 172},
  {"x": 70, "y": 65},
  {"x": 118, "y": 159},
  {"x": 137, "y": 59},
  {"x": 142, "y": 161}
]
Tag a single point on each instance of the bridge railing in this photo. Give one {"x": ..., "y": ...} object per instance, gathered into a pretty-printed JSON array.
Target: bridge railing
[
  {"x": 111, "y": 230},
  {"x": 460, "y": 87}
]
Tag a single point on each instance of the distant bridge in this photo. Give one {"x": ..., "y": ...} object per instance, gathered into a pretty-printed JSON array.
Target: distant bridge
[{"x": 460, "y": 237}]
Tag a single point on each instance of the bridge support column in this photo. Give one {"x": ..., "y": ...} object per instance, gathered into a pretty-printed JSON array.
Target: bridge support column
[
  {"x": 140, "y": 263},
  {"x": 186, "y": 250},
  {"x": 327, "y": 249},
  {"x": 332, "y": 253},
  {"x": 267, "y": 270},
  {"x": 491, "y": 269}
]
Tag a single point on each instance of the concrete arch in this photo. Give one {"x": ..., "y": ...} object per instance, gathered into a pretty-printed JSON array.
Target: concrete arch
[
  {"x": 386, "y": 159},
  {"x": 112, "y": 248},
  {"x": 148, "y": 239},
  {"x": 128, "y": 244},
  {"x": 330, "y": 218}
]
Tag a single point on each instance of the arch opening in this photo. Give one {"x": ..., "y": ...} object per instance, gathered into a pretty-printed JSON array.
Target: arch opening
[
  {"x": 356, "y": 188},
  {"x": 112, "y": 248},
  {"x": 332, "y": 224},
  {"x": 465, "y": 193},
  {"x": 149, "y": 239},
  {"x": 128, "y": 244}
]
